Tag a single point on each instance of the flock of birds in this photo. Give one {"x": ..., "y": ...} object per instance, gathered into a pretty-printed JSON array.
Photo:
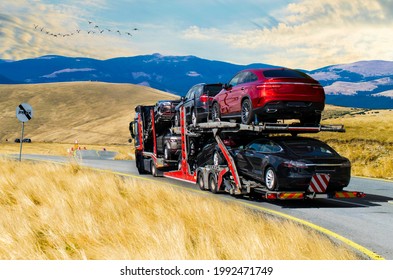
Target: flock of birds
[{"x": 95, "y": 29}]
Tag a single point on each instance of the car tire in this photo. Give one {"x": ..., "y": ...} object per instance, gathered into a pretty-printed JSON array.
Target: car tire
[
  {"x": 213, "y": 184},
  {"x": 216, "y": 112},
  {"x": 192, "y": 147},
  {"x": 167, "y": 153},
  {"x": 246, "y": 112},
  {"x": 271, "y": 179},
  {"x": 194, "y": 120},
  {"x": 177, "y": 119},
  {"x": 217, "y": 159}
]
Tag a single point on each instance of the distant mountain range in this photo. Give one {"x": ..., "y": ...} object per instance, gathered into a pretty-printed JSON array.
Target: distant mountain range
[{"x": 364, "y": 84}]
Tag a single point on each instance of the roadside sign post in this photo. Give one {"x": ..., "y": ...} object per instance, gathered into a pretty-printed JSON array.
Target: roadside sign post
[{"x": 24, "y": 113}]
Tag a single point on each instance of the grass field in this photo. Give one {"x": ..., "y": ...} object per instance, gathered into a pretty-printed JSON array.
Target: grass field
[
  {"x": 90, "y": 112},
  {"x": 55, "y": 212},
  {"x": 367, "y": 142}
]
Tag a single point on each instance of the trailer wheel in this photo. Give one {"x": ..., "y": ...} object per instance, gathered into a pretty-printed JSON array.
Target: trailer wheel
[
  {"x": 270, "y": 179},
  {"x": 200, "y": 181},
  {"x": 153, "y": 169},
  {"x": 213, "y": 184}
]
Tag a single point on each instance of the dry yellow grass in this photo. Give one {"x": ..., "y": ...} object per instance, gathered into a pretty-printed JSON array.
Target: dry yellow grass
[
  {"x": 367, "y": 142},
  {"x": 65, "y": 212},
  {"x": 92, "y": 112}
]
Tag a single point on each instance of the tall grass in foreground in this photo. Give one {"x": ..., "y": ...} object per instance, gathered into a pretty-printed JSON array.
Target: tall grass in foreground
[{"x": 65, "y": 212}]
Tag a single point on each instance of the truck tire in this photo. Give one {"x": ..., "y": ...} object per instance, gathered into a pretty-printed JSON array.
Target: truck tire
[
  {"x": 153, "y": 169},
  {"x": 200, "y": 181},
  {"x": 139, "y": 166},
  {"x": 213, "y": 183}
]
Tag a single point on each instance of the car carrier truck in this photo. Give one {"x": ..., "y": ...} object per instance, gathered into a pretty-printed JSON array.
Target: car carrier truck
[{"x": 223, "y": 177}]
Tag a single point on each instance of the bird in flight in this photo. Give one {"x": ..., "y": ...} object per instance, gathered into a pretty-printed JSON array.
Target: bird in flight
[
  {"x": 128, "y": 33},
  {"x": 35, "y": 26},
  {"x": 90, "y": 22},
  {"x": 118, "y": 31}
]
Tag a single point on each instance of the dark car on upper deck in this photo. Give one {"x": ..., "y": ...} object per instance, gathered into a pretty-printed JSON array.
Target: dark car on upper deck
[{"x": 197, "y": 103}]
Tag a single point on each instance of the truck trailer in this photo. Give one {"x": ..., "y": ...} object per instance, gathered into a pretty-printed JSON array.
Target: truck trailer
[{"x": 222, "y": 177}]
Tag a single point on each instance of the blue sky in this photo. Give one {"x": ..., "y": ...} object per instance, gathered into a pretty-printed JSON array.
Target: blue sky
[{"x": 304, "y": 34}]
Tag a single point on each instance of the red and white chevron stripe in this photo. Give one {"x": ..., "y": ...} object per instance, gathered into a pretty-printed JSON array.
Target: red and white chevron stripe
[{"x": 319, "y": 183}]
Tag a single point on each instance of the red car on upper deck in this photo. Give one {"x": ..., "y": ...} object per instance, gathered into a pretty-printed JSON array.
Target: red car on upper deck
[{"x": 267, "y": 95}]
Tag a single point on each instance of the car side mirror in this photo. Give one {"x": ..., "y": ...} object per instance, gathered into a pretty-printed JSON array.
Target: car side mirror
[{"x": 227, "y": 86}]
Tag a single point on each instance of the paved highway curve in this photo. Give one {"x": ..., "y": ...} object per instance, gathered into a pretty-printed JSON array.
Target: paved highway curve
[{"x": 366, "y": 224}]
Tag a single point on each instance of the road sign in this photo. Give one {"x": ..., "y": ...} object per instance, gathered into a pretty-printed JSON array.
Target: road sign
[{"x": 24, "y": 112}]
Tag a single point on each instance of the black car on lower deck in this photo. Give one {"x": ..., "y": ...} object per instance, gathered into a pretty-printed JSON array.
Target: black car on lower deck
[{"x": 289, "y": 163}]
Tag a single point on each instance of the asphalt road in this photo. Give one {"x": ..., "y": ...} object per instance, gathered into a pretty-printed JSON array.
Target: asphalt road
[{"x": 367, "y": 222}]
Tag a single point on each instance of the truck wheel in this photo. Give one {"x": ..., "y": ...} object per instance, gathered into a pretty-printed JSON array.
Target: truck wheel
[
  {"x": 167, "y": 153},
  {"x": 139, "y": 166},
  {"x": 271, "y": 179},
  {"x": 213, "y": 184},
  {"x": 200, "y": 181},
  {"x": 153, "y": 169},
  {"x": 216, "y": 112},
  {"x": 246, "y": 112}
]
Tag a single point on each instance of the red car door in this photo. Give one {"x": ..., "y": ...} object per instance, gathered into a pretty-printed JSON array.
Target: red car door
[{"x": 235, "y": 94}]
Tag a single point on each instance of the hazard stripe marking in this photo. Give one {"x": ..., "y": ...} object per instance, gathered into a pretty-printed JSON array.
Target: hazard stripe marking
[{"x": 319, "y": 183}]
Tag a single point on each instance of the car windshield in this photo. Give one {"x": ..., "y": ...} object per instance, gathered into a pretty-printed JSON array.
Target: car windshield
[
  {"x": 285, "y": 73},
  {"x": 310, "y": 148}
]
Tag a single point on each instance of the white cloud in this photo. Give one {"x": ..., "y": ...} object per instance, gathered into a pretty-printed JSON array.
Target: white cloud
[
  {"x": 388, "y": 93},
  {"x": 312, "y": 34}
]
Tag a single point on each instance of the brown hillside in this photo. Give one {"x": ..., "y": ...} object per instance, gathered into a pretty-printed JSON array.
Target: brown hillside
[{"x": 91, "y": 112}]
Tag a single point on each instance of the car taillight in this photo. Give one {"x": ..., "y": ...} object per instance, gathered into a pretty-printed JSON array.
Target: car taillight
[
  {"x": 294, "y": 164},
  {"x": 204, "y": 98},
  {"x": 268, "y": 86}
]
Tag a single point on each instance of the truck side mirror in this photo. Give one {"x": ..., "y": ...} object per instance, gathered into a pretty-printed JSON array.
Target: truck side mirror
[{"x": 131, "y": 128}]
